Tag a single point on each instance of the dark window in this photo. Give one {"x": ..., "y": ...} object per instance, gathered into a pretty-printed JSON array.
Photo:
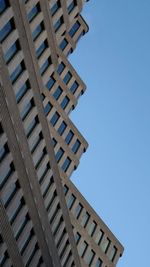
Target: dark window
[
  {"x": 55, "y": 7},
  {"x": 66, "y": 189},
  {"x": 34, "y": 11},
  {"x": 74, "y": 29},
  {"x": 69, "y": 137},
  {"x": 71, "y": 6},
  {"x": 50, "y": 83},
  {"x": 47, "y": 108},
  {"x": 58, "y": 23},
  {"x": 37, "y": 31},
  {"x": 41, "y": 48},
  {"x": 74, "y": 87},
  {"x": 57, "y": 93},
  {"x": 66, "y": 164},
  {"x": 61, "y": 67},
  {"x": 67, "y": 77},
  {"x": 16, "y": 73},
  {"x": 63, "y": 44},
  {"x": 8, "y": 27},
  {"x": 45, "y": 65},
  {"x": 3, "y": 5},
  {"x": 54, "y": 142},
  {"x": 59, "y": 154},
  {"x": 3, "y": 151},
  {"x": 65, "y": 102},
  {"x": 76, "y": 146},
  {"x": 55, "y": 118},
  {"x": 22, "y": 91},
  {"x": 62, "y": 128},
  {"x": 12, "y": 51}
]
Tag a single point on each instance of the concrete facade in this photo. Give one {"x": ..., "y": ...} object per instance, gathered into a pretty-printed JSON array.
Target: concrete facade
[{"x": 40, "y": 147}]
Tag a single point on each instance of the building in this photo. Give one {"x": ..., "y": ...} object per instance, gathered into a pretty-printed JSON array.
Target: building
[{"x": 44, "y": 220}]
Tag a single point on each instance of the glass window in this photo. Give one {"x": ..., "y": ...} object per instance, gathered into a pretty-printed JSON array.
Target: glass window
[
  {"x": 34, "y": 11},
  {"x": 57, "y": 93},
  {"x": 12, "y": 51},
  {"x": 105, "y": 245},
  {"x": 76, "y": 146},
  {"x": 35, "y": 142},
  {"x": 63, "y": 44},
  {"x": 58, "y": 23},
  {"x": 5, "y": 31},
  {"x": 31, "y": 126},
  {"x": 69, "y": 137},
  {"x": 55, "y": 7},
  {"x": 99, "y": 237},
  {"x": 77, "y": 237},
  {"x": 112, "y": 254},
  {"x": 91, "y": 228},
  {"x": 71, "y": 6},
  {"x": 78, "y": 210},
  {"x": 26, "y": 109},
  {"x": 59, "y": 154},
  {"x": 62, "y": 128},
  {"x": 45, "y": 65},
  {"x": 99, "y": 263},
  {"x": 85, "y": 219},
  {"x": 74, "y": 29},
  {"x": 50, "y": 83},
  {"x": 37, "y": 31},
  {"x": 6, "y": 173},
  {"x": 16, "y": 73},
  {"x": 55, "y": 118},
  {"x": 47, "y": 108},
  {"x": 66, "y": 189},
  {"x": 41, "y": 48},
  {"x": 54, "y": 142},
  {"x": 89, "y": 257},
  {"x": 3, "y": 5},
  {"x": 67, "y": 77},
  {"x": 74, "y": 87},
  {"x": 3, "y": 151},
  {"x": 82, "y": 248},
  {"x": 66, "y": 164},
  {"x": 70, "y": 201},
  {"x": 22, "y": 91},
  {"x": 61, "y": 67},
  {"x": 65, "y": 102}
]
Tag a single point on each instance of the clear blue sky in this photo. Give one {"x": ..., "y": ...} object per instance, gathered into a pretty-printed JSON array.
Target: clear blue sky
[{"x": 114, "y": 116}]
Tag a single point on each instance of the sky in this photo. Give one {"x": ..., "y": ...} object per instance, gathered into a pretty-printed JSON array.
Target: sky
[{"x": 113, "y": 59}]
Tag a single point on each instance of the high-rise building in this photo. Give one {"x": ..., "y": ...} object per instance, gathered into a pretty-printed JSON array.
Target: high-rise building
[{"x": 44, "y": 219}]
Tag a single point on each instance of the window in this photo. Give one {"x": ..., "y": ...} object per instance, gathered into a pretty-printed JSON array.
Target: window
[
  {"x": 31, "y": 126},
  {"x": 99, "y": 263},
  {"x": 74, "y": 29},
  {"x": 45, "y": 65},
  {"x": 82, "y": 248},
  {"x": 74, "y": 87},
  {"x": 47, "y": 108},
  {"x": 91, "y": 228},
  {"x": 55, "y": 118},
  {"x": 62, "y": 128},
  {"x": 105, "y": 245},
  {"x": 57, "y": 93},
  {"x": 69, "y": 137},
  {"x": 35, "y": 142},
  {"x": 71, "y": 6},
  {"x": 78, "y": 210},
  {"x": 77, "y": 237},
  {"x": 5, "y": 31},
  {"x": 3, "y": 151},
  {"x": 58, "y": 23},
  {"x": 41, "y": 157},
  {"x": 50, "y": 83},
  {"x": 11, "y": 52},
  {"x": 61, "y": 67},
  {"x": 89, "y": 257},
  {"x": 63, "y": 44},
  {"x": 67, "y": 77},
  {"x": 59, "y": 154},
  {"x": 37, "y": 31},
  {"x": 55, "y": 7},
  {"x": 6, "y": 173},
  {"x": 16, "y": 73},
  {"x": 22, "y": 91},
  {"x": 34, "y": 11},
  {"x": 54, "y": 142},
  {"x": 41, "y": 48},
  {"x": 112, "y": 254},
  {"x": 66, "y": 189},
  {"x": 85, "y": 219},
  {"x": 99, "y": 237},
  {"x": 65, "y": 102},
  {"x": 76, "y": 146},
  {"x": 3, "y": 5},
  {"x": 66, "y": 164},
  {"x": 70, "y": 201},
  {"x": 26, "y": 109}
]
